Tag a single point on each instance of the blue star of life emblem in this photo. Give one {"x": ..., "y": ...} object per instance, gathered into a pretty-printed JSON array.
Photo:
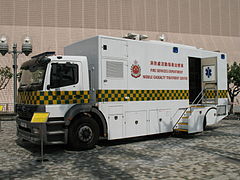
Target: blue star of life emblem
[{"x": 208, "y": 72}]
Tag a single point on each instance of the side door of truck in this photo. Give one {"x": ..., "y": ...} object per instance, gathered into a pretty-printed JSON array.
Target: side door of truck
[{"x": 64, "y": 84}]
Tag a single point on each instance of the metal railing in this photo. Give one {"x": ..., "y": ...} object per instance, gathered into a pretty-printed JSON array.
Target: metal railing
[
  {"x": 203, "y": 94},
  {"x": 186, "y": 108}
]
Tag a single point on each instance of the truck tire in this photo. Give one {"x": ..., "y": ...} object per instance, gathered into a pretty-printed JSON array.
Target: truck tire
[{"x": 83, "y": 133}]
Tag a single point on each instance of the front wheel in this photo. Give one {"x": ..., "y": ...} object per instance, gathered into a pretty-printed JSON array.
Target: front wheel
[{"x": 83, "y": 133}]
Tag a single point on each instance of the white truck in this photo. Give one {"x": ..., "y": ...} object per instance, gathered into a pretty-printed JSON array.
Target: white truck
[{"x": 114, "y": 88}]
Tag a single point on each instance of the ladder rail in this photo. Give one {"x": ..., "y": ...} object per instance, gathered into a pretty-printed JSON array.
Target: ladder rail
[
  {"x": 197, "y": 101},
  {"x": 202, "y": 92},
  {"x": 180, "y": 116},
  {"x": 177, "y": 111}
]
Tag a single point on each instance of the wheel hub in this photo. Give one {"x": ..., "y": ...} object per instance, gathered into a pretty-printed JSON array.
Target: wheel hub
[{"x": 85, "y": 133}]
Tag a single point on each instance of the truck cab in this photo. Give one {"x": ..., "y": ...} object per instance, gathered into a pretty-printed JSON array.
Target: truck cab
[{"x": 55, "y": 84}]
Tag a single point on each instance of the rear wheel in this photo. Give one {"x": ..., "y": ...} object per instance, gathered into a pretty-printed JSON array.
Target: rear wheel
[{"x": 83, "y": 133}]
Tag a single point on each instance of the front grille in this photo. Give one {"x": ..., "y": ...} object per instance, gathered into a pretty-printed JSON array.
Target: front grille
[
  {"x": 24, "y": 129},
  {"x": 26, "y": 111}
]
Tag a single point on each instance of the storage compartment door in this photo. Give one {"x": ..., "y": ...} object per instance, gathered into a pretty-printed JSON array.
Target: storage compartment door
[
  {"x": 136, "y": 123},
  {"x": 115, "y": 126},
  {"x": 154, "y": 123},
  {"x": 165, "y": 121},
  {"x": 115, "y": 122}
]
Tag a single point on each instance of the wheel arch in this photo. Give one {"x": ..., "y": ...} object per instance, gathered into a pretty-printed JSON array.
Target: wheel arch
[
  {"x": 205, "y": 116},
  {"x": 81, "y": 110}
]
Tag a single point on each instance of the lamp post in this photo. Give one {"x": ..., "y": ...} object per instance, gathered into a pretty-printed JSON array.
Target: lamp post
[{"x": 26, "y": 49}]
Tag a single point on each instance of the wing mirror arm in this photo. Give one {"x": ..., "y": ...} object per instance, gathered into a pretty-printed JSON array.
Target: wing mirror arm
[{"x": 48, "y": 87}]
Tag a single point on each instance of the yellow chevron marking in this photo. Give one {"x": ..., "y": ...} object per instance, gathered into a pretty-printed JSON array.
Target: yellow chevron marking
[
  {"x": 198, "y": 106},
  {"x": 184, "y": 130},
  {"x": 183, "y": 123}
]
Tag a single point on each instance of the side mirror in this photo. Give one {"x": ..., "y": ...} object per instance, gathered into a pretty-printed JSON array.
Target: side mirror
[{"x": 49, "y": 86}]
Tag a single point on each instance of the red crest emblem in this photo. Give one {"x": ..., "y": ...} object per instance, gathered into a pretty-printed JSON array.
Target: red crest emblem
[{"x": 135, "y": 70}]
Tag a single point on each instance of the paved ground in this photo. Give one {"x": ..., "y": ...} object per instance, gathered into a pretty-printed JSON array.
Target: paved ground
[{"x": 213, "y": 154}]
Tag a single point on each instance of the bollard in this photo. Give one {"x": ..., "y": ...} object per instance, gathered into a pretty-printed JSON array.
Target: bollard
[{"x": 1, "y": 109}]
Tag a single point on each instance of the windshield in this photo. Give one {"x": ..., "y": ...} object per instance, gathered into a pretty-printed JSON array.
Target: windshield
[{"x": 33, "y": 78}]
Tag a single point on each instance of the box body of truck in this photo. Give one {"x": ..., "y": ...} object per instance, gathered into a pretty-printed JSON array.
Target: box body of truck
[{"x": 131, "y": 88}]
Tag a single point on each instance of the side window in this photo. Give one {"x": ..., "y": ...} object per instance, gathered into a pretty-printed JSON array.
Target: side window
[{"x": 63, "y": 75}]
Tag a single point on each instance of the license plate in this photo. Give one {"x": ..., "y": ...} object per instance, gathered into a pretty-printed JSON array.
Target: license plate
[{"x": 23, "y": 124}]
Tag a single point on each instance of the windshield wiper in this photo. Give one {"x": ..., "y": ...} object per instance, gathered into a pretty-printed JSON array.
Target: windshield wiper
[{"x": 23, "y": 84}]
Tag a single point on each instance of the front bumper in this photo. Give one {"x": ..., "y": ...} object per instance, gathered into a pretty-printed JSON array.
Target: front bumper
[
  {"x": 32, "y": 132},
  {"x": 25, "y": 130}
]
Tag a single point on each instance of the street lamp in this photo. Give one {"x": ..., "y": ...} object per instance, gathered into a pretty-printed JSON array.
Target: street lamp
[
  {"x": 26, "y": 49},
  {"x": 3, "y": 45}
]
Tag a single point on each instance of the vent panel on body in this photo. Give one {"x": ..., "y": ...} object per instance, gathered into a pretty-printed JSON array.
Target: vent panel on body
[{"x": 114, "y": 69}]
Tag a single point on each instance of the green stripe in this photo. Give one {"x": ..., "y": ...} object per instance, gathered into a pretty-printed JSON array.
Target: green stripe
[
  {"x": 53, "y": 97},
  {"x": 141, "y": 95},
  {"x": 79, "y": 97}
]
